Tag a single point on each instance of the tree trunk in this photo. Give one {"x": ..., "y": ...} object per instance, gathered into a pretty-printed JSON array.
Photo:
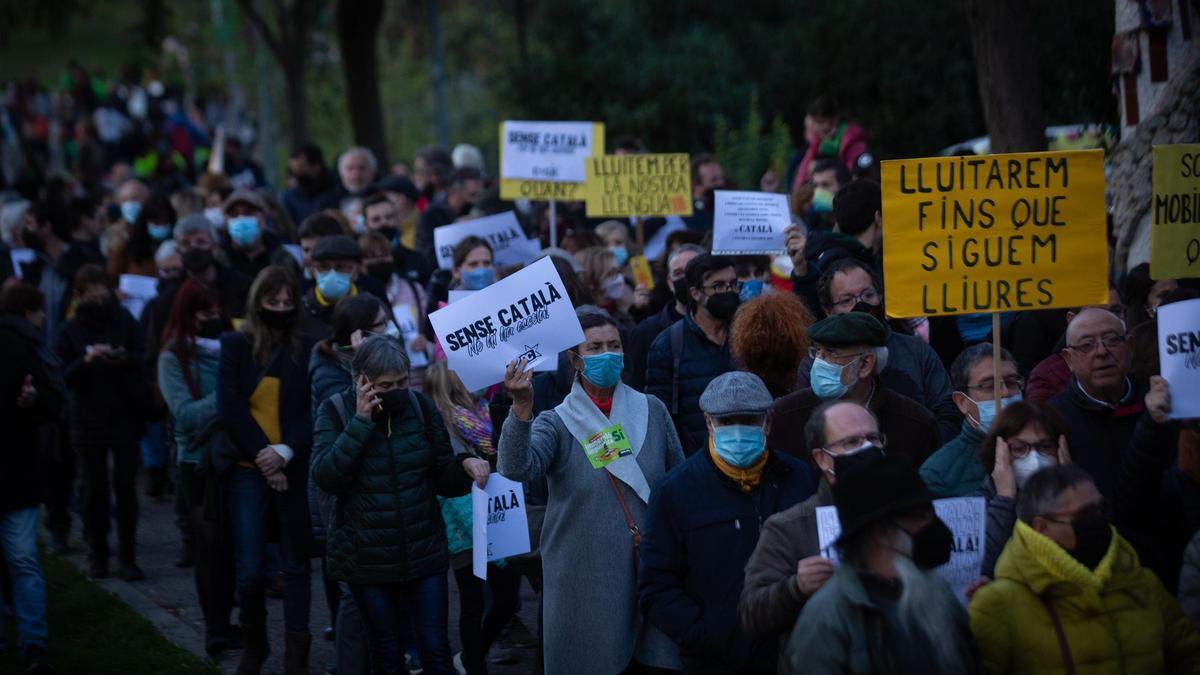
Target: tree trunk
[
  {"x": 294, "y": 91},
  {"x": 357, "y": 27},
  {"x": 1010, "y": 87}
]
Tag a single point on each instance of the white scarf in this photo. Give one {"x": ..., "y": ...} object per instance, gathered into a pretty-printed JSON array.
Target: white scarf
[{"x": 629, "y": 409}]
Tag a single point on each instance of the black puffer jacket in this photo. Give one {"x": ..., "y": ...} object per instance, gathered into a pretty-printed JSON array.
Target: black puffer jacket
[{"x": 386, "y": 474}]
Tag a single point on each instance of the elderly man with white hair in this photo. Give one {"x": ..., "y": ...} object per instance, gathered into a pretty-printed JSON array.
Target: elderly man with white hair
[{"x": 356, "y": 172}]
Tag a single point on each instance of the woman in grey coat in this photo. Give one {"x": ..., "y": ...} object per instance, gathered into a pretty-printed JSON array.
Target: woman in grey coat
[{"x": 592, "y": 622}]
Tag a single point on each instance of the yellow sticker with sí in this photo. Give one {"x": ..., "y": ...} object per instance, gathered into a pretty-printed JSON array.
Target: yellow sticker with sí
[{"x": 607, "y": 446}]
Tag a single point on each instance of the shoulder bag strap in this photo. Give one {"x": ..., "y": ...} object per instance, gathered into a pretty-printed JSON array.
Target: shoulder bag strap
[
  {"x": 634, "y": 531},
  {"x": 1063, "y": 647}
]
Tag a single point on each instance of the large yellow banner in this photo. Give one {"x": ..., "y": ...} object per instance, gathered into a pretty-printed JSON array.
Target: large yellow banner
[
  {"x": 1175, "y": 212},
  {"x": 994, "y": 233},
  {"x": 544, "y": 190}
]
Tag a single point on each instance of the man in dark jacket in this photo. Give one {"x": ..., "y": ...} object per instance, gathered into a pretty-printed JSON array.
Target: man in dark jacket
[
  {"x": 102, "y": 350},
  {"x": 850, "y": 351},
  {"x": 250, "y": 245},
  {"x": 787, "y": 568},
  {"x": 638, "y": 347},
  {"x": 314, "y": 189},
  {"x": 702, "y": 524},
  {"x": 459, "y": 197},
  {"x": 336, "y": 267},
  {"x": 28, "y": 399},
  {"x": 686, "y": 356},
  {"x": 913, "y": 368}
]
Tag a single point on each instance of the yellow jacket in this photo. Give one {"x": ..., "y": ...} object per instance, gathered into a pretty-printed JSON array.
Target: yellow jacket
[{"x": 1116, "y": 619}]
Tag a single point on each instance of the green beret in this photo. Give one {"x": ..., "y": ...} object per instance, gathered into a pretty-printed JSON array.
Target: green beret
[{"x": 849, "y": 329}]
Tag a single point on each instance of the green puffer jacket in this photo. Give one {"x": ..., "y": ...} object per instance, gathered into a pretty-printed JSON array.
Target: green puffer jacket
[
  {"x": 954, "y": 470},
  {"x": 386, "y": 475}
]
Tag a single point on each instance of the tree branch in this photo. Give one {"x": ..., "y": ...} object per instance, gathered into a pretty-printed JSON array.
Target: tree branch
[{"x": 260, "y": 23}]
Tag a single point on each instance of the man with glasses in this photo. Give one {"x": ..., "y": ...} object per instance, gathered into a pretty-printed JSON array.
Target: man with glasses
[
  {"x": 638, "y": 345},
  {"x": 693, "y": 351},
  {"x": 848, "y": 353},
  {"x": 913, "y": 368},
  {"x": 1102, "y": 405},
  {"x": 1070, "y": 590},
  {"x": 787, "y": 567},
  {"x": 954, "y": 470}
]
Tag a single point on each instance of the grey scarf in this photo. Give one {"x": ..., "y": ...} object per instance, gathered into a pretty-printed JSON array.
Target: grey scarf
[{"x": 629, "y": 409}]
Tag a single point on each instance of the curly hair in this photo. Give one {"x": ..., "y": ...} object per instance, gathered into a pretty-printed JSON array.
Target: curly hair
[{"x": 769, "y": 338}]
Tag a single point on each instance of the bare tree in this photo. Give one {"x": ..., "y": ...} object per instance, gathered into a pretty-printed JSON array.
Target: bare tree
[
  {"x": 1010, "y": 86},
  {"x": 287, "y": 34},
  {"x": 358, "y": 24}
]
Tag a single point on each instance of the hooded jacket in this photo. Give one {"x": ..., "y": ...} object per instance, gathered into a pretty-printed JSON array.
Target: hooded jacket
[{"x": 1117, "y": 618}]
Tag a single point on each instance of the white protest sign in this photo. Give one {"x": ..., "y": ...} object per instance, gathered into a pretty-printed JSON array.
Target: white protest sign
[
  {"x": 406, "y": 323},
  {"x": 499, "y": 526},
  {"x": 21, "y": 257},
  {"x": 509, "y": 244},
  {"x": 965, "y": 516},
  {"x": 527, "y": 315},
  {"x": 138, "y": 290},
  {"x": 454, "y": 295},
  {"x": 547, "y": 151},
  {"x": 749, "y": 223},
  {"x": 1179, "y": 355}
]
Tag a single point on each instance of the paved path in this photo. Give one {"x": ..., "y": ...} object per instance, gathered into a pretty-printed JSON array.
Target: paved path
[{"x": 167, "y": 598}]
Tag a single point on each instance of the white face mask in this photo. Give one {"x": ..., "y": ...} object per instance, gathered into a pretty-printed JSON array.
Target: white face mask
[{"x": 1024, "y": 467}]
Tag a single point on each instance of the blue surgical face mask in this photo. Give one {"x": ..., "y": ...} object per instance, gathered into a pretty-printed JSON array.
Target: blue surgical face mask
[
  {"x": 243, "y": 230},
  {"x": 751, "y": 289},
  {"x": 130, "y": 210},
  {"x": 988, "y": 412},
  {"x": 620, "y": 253},
  {"x": 603, "y": 370},
  {"x": 333, "y": 285},
  {"x": 478, "y": 278},
  {"x": 159, "y": 232},
  {"x": 739, "y": 445},
  {"x": 826, "y": 379}
]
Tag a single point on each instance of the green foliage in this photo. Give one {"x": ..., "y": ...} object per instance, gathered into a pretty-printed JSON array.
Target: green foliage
[{"x": 746, "y": 153}]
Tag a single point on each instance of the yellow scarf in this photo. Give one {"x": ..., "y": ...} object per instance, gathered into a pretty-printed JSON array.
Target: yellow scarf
[
  {"x": 748, "y": 478},
  {"x": 325, "y": 302}
]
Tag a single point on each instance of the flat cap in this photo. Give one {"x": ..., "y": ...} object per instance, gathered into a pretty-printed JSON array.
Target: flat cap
[
  {"x": 336, "y": 247},
  {"x": 849, "y": 329},
  {"x": 400, "y": 185},
  {"x": 736, "y": 393},
  {"x": 244, "y": 196}
]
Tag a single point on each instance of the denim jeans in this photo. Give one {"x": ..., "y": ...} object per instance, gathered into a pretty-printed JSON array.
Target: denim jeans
[
  {"x": 154, "y": 446},
  {"x": 383, "y": 610},
  {"x": 252, "y": 505},
  {"x": 18, "y": 539}
]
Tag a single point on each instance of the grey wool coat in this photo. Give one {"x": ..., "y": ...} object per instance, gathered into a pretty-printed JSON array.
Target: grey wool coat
[{"x": 592, "y": 621}]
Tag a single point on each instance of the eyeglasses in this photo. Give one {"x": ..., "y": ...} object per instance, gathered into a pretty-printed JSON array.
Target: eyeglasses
[
  {"x": 869, "y": 296},
  {"x": 1110, "y": 342},
  {"x": 857, "y": 441},
  {"x": 1010, "y": 384},
  {"x": 723, "y": 286},
  {"x": 830, "y": 356},
  {"x": 1019, "y": 448}
]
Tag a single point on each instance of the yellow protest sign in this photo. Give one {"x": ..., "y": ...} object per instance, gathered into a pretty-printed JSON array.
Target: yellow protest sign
[
  {"x": 1175, "y": 228},
  {"x": 544, "y": 190},
  {"x": 639, "y": 185},
  {"x": 994, "y": 233}
]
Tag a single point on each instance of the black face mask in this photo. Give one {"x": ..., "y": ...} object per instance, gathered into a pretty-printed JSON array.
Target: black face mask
[
  {"x": 723, "y": 305},
  {"x": 867, "y": 308},
  {"x": 847, "y": 461},
  {"x": 33, "y": 240},
  {"x": 381, "y": 272},
  {"x": 394, "y": 401},
  {"x": 683, "y": 294},
  {"x": 932, "y": 545},
  {"x": 389, "y": 232},
  {"x": 1093, "y": 535},
  {"x": 210, "y": 328},
  {"x": 95, "y": 314},
  {"x": 276, "y": 320},
  {"x": 197, "y": 260}
]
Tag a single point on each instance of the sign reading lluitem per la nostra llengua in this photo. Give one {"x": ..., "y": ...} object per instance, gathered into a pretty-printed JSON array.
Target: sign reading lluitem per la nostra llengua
[{"x": 994, "y": 233}]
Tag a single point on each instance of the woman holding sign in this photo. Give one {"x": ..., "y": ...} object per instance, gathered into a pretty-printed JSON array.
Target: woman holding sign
[{"x": 601, "y": 451}]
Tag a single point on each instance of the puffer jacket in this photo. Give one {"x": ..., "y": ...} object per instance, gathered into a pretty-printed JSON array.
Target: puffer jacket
[
  {"x": 1117, "y": 618},
  {"x": 1189, "y": 581},
  {"x": 700, "y": 362},
  {"x": 386, "y": 474},
  {"x": 954, "y": 470}
]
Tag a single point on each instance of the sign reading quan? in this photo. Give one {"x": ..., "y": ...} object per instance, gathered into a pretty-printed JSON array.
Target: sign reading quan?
[
  {"x": 994, "y": 233},
  {"x": 1175, "y": 209},
  {"x": 567, "y": 186}
]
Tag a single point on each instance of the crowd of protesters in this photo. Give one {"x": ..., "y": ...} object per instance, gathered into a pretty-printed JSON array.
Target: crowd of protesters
[{"x": 285, "y": 385}]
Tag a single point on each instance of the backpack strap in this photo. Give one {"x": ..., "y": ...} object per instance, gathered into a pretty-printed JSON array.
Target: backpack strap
[
  {"x": 1063, "y": 647},
  {"x": 676, "y": 356}
]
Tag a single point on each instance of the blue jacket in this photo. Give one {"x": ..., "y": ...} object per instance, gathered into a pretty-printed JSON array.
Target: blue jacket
[
  {"x": 700, "y": 362},
  {"x": 955, "y": 470},
  {"x": 700, "y": 530}
]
